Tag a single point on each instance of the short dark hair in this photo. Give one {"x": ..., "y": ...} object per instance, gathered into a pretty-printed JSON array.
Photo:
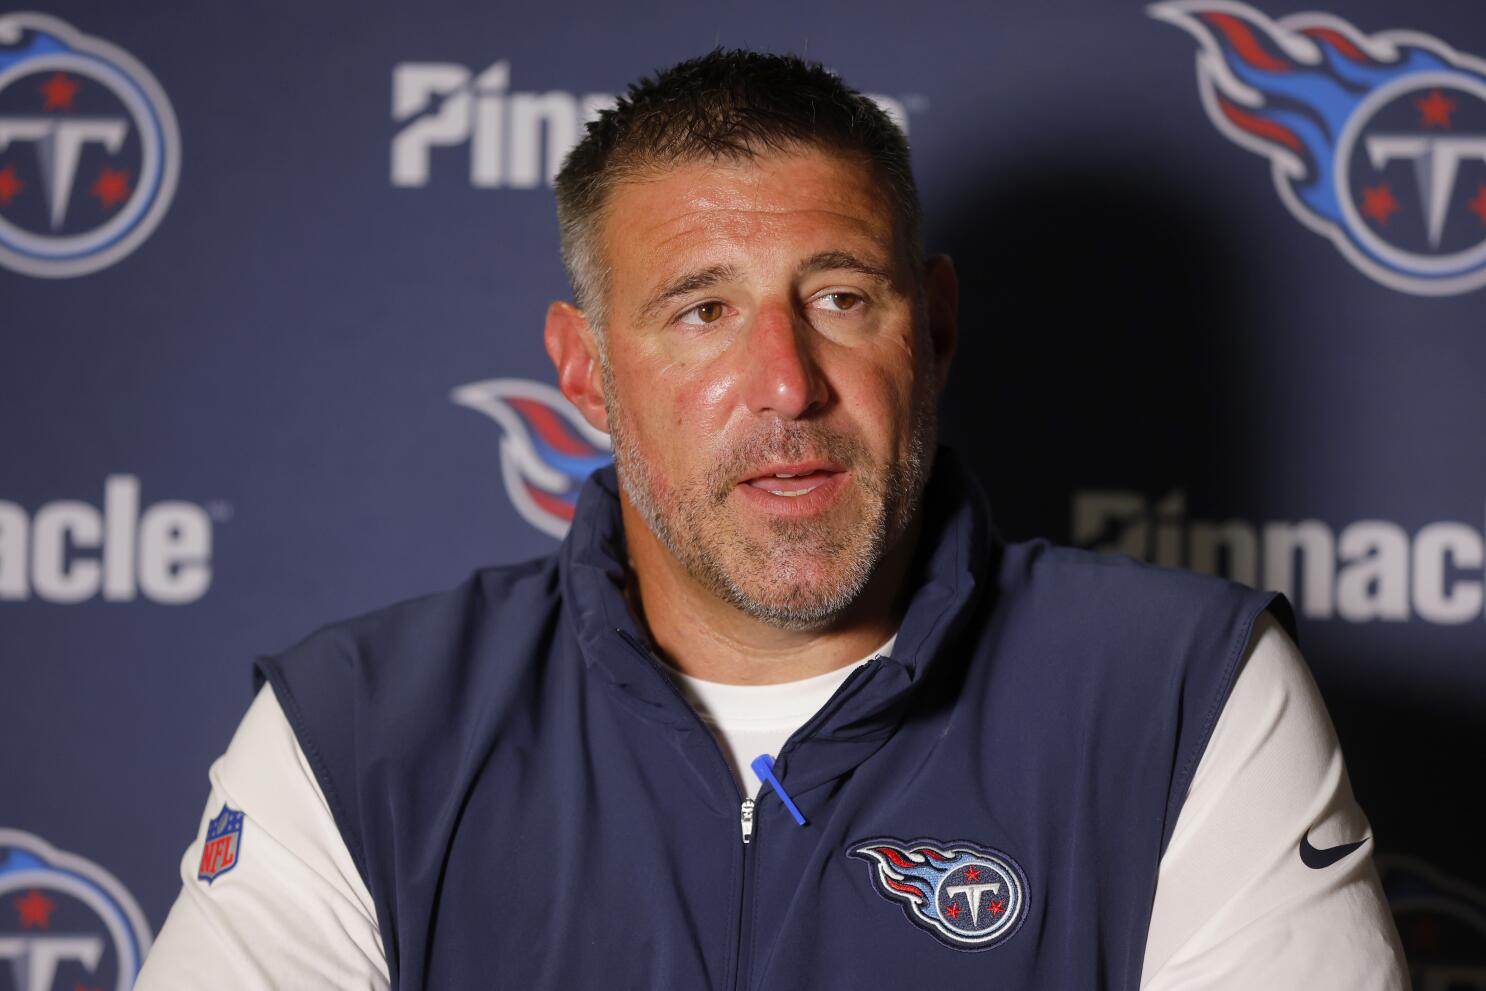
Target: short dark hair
[{"x": 723, "y": 105}]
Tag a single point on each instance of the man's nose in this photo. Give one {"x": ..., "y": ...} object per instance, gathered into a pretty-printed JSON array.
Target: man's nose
[{"x": 782, "y": 375}]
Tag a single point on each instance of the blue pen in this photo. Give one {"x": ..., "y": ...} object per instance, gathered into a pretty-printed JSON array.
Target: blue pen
[{"x": 763, "y": 766}]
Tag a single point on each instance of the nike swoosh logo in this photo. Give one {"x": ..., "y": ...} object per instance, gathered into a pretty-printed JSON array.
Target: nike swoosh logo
[{"x": 1321, "y": 859}]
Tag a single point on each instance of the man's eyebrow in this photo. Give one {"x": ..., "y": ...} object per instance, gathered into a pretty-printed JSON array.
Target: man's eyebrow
[
  {"x": 825, "y": 261},
  {"x": 683, "y": 285}
]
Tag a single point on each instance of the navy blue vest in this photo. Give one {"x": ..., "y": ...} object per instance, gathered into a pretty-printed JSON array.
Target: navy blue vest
[{"x": 533, "y": 805}]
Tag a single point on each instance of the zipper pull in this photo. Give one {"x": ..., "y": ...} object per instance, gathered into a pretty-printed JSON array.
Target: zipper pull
[{"x": 746, "y": 820}]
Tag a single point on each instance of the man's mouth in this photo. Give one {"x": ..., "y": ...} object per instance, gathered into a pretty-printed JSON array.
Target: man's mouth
[
  {"x": 789, "y": 484},
  {"x": 792, "y": 481}
]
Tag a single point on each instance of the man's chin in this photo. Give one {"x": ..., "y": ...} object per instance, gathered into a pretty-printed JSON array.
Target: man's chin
[
  {"x": 798, "y": 614},
  {"x": 803, "y": 591},
  {"x": 805, "y": 533}
]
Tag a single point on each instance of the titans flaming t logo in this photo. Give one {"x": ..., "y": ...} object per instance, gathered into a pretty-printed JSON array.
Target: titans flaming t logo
[
  {"x": 547, "y": 449},
  {"x": 1376, "y": 141},
  {"x": 89, "y": 150},
  {"x": 969, "y": 898},
  {"x": 65, "y": 922}
]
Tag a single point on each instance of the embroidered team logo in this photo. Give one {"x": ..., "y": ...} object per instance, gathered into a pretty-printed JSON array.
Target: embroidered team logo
[
  {"x": 547, "y": 449},
  {"x": 65, "y": 922},
  {"x": 970, "y": 898},
  {"x": 224, "y": 836},
  {"x": 89, "y": 149},
  {"x": 1376, "y": 141}
]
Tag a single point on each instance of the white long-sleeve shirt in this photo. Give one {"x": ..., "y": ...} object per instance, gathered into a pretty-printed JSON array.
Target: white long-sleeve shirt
[{"x": 1236, "y": 906}]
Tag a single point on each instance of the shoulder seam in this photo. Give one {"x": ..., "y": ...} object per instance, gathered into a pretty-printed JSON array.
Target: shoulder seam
[
  {"x": 1182, "y": 781},
  {"x": 317, "y": 763}
]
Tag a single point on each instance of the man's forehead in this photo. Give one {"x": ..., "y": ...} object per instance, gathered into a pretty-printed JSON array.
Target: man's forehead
[
  {"x": 740, "y": 183},
  {"x": 700, "y": 205}
]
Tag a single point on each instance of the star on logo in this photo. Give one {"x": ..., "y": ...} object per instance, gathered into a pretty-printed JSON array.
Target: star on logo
[
  {"x": 1435, "y": 109},
  {"x": 112, "y": 187},
  {"x": 972, "y": 873},
  {"x": 1378, "y": 203},
  {"x": 35, "y": 909},
  {"x": 59, "y": 91},
  {"x": 1478, "y": 205},
  {"x": 10, "y": 184},
  {"x": 952, "y": 910}
]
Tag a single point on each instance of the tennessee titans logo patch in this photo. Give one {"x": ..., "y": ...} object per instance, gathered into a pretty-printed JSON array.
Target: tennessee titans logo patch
[
  {"x": 966, "y": 896},
  {"x": 1377, "y": 142},
  {"x": 223, "y": 841},
  {"x": 547, "y": 449}
]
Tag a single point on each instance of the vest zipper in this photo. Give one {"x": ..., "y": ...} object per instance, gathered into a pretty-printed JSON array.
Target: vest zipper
[
  {"x": 747, "y": 811},
  {"x": 745, "y": 917},
  {"x": 746, "y": 817}
]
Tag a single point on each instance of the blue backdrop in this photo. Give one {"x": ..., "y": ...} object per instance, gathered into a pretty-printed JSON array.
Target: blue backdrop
[{"x": 272, "y": 279}]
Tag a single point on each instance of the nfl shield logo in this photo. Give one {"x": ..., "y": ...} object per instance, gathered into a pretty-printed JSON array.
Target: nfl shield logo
[{"x": 223, "y": 838}]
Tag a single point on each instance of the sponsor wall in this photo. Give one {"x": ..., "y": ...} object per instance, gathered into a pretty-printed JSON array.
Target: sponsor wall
[{"x": 271, "y": 287}]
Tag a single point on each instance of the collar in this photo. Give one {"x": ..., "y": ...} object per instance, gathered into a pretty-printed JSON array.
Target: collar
[
  {"x": 945, "y": 581},
  {"x": 782, "y": 705}
]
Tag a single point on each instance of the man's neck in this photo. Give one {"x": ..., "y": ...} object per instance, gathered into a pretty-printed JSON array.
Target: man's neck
[{"x": 702, "y": 635}]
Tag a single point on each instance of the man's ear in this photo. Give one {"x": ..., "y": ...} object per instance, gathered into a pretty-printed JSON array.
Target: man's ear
[
  {"x": 942, "y": 294},
  {"x": 575, "y": 354}
]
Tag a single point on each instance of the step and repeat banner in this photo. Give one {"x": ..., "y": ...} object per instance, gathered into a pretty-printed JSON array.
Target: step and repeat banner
[{"x": 272, "y": 280}]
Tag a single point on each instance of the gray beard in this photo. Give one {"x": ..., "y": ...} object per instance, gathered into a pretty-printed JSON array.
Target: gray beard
[{"x": 762, "y": 578}]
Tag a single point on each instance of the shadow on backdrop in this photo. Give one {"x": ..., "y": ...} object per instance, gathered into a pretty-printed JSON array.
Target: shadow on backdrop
[{"x": 1102, "y": 345}]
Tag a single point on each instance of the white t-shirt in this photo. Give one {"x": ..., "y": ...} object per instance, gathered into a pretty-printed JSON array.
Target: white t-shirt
[
  {"x": 749, "y": 720},
  {"x": 1235, "y": 907}
]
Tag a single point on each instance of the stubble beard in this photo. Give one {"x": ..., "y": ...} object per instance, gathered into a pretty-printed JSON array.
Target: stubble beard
[{"x": 804, "y": 573}]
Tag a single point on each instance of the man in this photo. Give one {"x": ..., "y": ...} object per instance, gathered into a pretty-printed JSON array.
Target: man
[{"x": 781, "y": 711}]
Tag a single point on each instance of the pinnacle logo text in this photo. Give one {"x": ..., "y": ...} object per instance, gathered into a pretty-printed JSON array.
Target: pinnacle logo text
[
  {"x": 517, "y": 140},
  {"x": 1370, "y": 570},
  {"x": 163, "y": 553}
]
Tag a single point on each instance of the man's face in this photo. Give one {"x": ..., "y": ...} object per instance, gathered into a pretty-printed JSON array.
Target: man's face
[{"x": 768, "y": 378}]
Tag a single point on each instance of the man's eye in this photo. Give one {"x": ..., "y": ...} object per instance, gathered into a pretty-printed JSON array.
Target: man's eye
[
  {"x": 704, "y": 313},
  {"x": 843, "y": 301}
]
